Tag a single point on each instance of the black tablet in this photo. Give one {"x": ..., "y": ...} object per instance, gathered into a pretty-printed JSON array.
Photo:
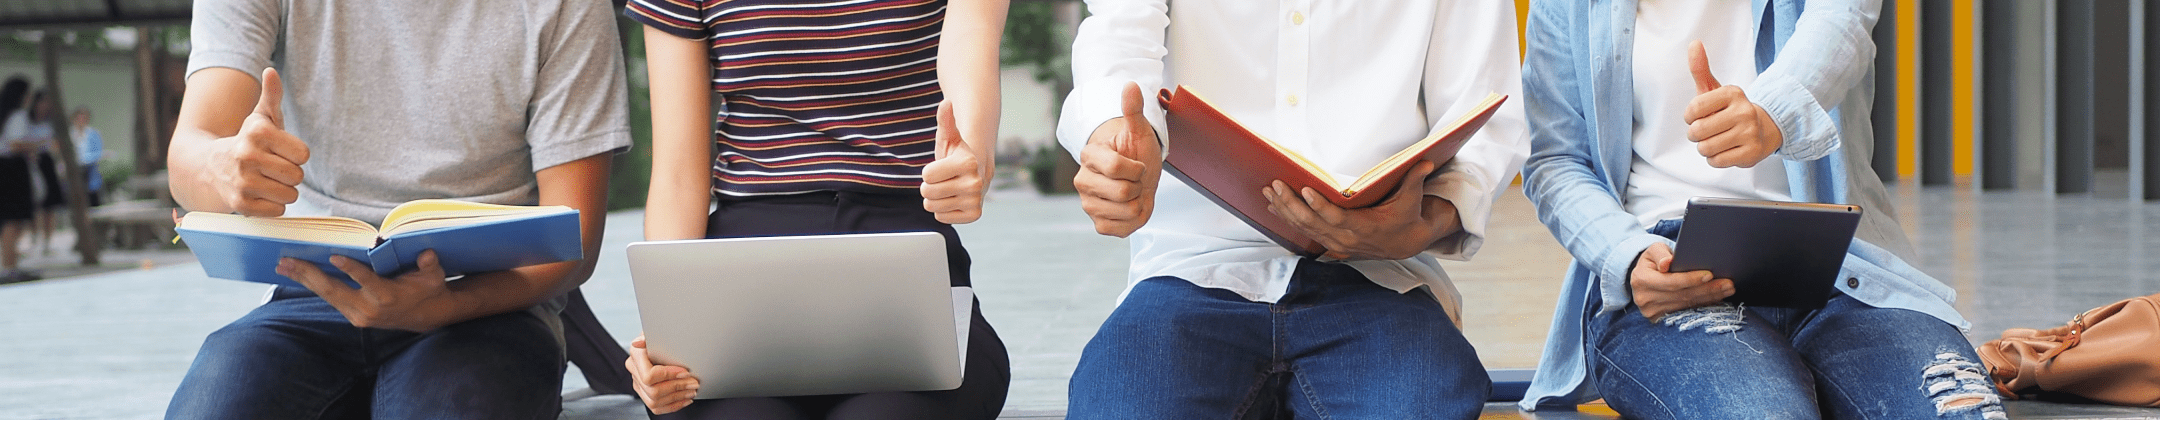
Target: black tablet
[{"x": 1778, "y": 254}]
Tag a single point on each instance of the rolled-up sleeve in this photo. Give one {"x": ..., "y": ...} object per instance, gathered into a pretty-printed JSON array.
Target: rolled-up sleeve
[
  {"x": 1831, "y": 50},
  {"x": 1121, "y": 41},
  {"x": 1473, "y": 54}
]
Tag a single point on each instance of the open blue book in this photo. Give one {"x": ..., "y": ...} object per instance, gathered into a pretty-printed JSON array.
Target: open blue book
[{"x": 468, "y": 237}]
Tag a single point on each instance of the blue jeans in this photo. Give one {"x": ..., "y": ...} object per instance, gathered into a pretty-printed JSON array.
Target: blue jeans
[
  {"x": 1847, "y": 360},
  {"x": 1336, "y": 346},
  {"x": 296, "y": 357}
]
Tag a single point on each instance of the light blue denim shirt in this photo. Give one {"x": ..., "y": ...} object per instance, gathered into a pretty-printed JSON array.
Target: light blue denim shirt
[{"x": 1817, "y": 82}]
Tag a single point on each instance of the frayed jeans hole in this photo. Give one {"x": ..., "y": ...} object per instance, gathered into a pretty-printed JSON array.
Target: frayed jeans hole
[
  {"x": 1717, "y": 318},
  {"x": 1956, "y": 384}
]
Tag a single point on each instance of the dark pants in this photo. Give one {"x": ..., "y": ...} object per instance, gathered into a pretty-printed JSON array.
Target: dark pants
[
  {"x": 49, "y": 173},
  {"x": 988, "y": 372},
  {"x": 16, "y": 199},
  {"x": 296, "y": 357},
  {"x": 595, "y": 352}
]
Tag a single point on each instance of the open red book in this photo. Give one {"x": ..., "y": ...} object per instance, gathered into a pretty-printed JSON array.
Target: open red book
[{"x": 1230, "y": 164}]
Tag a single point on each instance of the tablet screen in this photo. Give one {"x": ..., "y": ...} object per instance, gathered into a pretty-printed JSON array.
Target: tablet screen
[{"x": 1778, "y": 254}]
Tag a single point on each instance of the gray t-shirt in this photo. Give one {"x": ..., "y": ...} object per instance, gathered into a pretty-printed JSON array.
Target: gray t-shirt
[
  {"x": 401, "y": 100},
  {"x": 407, "y": 99}
]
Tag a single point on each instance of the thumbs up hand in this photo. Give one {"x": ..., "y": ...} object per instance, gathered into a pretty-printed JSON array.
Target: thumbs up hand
[
  {"x": 255, "y": 172},
  {"x": 953, "y": 184},
  {"x": 1119, "y": 170},
  {"x": 1727, "y": 128}
]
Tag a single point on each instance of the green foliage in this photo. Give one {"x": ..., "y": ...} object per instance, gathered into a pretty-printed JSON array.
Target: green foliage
[
  {"x": 633, "y": 169},
  {"x": 23, "y": 45},
  {"x": 1051, "y": 169},
  {"x": 1035, "y": 39}
]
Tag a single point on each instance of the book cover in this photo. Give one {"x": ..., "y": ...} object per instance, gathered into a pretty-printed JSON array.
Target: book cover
[
  {"x": 1229, "y": 164},
  {"x": 472, "y": 240}
]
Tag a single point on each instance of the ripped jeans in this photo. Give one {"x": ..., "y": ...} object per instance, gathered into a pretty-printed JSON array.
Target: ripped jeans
[{"x": 1847, "y": 360}]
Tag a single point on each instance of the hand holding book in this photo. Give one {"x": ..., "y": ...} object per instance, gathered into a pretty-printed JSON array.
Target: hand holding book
[
  {"x": 1245, "y": 173},
  {"x": 380, "y": 302},
  {"x": 1401, "y": 226},
  {"x": 471, "y": 237}
]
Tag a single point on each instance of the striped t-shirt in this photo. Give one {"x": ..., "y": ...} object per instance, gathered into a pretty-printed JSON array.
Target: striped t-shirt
[{"x": 836, "y": 95}]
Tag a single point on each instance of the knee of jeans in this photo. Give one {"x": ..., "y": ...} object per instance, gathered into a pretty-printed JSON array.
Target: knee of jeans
[
  {"x": 1716, "y": 318},
  {"x": 1958, "y": 385}
]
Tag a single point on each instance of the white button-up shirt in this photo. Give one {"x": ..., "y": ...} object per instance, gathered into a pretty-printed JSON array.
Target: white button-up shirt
[{"x": 1345, "y": 83}]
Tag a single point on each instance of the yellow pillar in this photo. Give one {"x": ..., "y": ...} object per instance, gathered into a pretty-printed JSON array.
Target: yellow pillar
[
  {"x": 1965, "y": 80},
  {"x": 1908, "y": 88}
]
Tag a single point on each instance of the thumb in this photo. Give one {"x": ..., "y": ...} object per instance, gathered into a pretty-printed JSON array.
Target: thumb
[
  {"x": 1136, "y": 124},
  {"x": 429, "y": 263},
  {"x": 948, "y": 130},
  {"x": 273, "y": 91},
  {"x": 1660, "y": 256},
  {"x": 1413, "y": 182},
  {"x": 1699, "y": 64}
]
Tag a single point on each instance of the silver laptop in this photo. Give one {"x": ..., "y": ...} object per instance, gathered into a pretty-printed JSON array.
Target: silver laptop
[{"x": 804, "y": 315}]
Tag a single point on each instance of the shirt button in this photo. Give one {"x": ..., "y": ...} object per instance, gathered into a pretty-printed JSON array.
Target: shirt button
[
  {"x": 1852, "y": 282},
  {"x": 1291, "y": 99},
  {"x": 1297, "y": 18}
]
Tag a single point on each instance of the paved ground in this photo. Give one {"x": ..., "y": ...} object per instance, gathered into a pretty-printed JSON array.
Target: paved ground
[{"x": 114, "y": 344}]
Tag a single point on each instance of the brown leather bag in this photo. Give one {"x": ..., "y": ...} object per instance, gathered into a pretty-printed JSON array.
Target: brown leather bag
[{"x": 2109, "y": 354}]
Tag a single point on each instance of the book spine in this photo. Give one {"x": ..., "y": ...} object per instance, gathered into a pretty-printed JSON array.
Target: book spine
[{"x": 384, "y": 258}]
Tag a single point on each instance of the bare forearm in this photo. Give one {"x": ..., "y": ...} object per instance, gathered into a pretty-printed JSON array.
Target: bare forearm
[
  {"x": 578, "y": 184},
  {"x": 968, "y": 69},
  {"x": 680, "y": 73},
  {"x": 492, "y": 293},
  {"x": 217, "y": 101},
  {"x": 184, "y": 161}
]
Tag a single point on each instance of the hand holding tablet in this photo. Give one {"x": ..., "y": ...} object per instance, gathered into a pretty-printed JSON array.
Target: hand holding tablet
[{"x": 1777, "y": 254}]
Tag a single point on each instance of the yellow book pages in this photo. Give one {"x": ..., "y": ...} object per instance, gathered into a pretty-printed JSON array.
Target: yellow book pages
[
  {"x": 439, "y": 205},
  {"x": 438, "y": 213},
  {"x": 318, "y": 229},
  {"x": 1308, "y": 165},
  {"x": 1377, "y": 172},
  {"x": 433, "y": 221}
]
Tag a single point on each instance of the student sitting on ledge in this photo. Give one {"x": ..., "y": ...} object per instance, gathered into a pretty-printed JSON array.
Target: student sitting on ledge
[
  {"x": 376, "y": 104},
  {"x": 845, "y": 117},
  {"x": 1630, "y": 117},
  {"x": 1220, "y": 322}
]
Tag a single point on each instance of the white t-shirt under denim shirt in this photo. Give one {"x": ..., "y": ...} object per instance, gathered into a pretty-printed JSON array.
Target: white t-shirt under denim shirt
[{"x": 1668, "y": 170}]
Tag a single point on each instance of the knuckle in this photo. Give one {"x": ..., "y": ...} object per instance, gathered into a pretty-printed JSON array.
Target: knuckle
[
  {"x": 1121, "y": 191},
  {"x": 257, "y": 132},
  {"x": 1106, "y": 227}
]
